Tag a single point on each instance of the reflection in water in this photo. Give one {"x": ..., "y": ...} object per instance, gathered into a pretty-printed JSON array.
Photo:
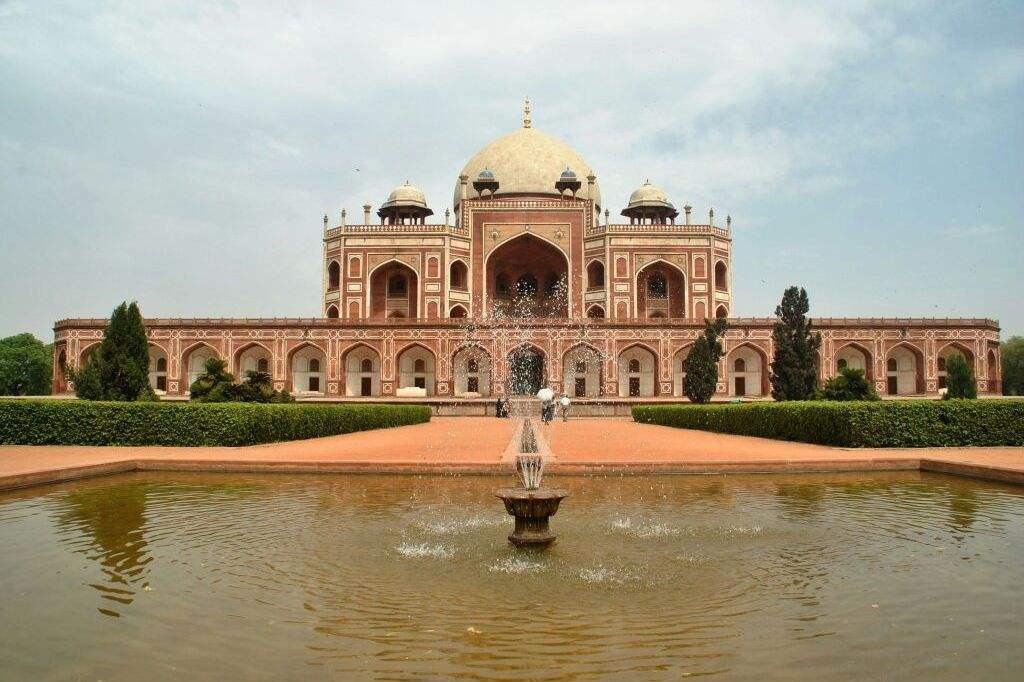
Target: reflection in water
[
  {"x": 837, "y": 576},
  {"x": 106, "y": 524}
]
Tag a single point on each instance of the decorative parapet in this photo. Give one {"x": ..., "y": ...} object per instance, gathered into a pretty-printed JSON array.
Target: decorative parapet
[
  {"x": 341, "y": 230},
  {"x": 571, "y": 323},
  {"x": 659, "y": 229}
]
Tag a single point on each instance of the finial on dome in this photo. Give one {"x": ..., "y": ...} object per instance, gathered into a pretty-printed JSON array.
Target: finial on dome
[{"x": 527, "y": 121}]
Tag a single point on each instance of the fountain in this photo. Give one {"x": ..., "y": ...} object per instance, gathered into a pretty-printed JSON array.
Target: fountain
[{"x": 531, "y": 505}]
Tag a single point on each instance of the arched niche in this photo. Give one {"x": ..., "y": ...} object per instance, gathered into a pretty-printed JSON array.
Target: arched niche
[
  {"x": 157, "y": 369},
  {"x": 583, "y": 369},
  {"x": 904, "y": 370},
  {"x": 307, "y": 368},
  {"x": 528, "y": 276},
  {"x": 747, "y": 371},
  {"x": 638, "y": 369},
  {"x": 471, "y": 367},
  {"x": 362, "y": 371},
  {"x": 661, "y": 291},
  {"x": 854, "y": 356},
  {"x": 416, "y": 368},
  {"x": 393, "y": 291}
]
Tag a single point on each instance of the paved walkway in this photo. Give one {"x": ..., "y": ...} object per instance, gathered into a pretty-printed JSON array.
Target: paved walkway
[{"x": 476, "y": 444}]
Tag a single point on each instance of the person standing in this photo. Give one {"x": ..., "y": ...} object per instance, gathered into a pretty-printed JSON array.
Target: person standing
[{"x": 565, "y": 402}]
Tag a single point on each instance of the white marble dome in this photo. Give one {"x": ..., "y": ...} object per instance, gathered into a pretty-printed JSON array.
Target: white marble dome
[
  {"x": 405, "y": 195},
  {"x": 527, "y": 161},
  {"x": 648, "y": 195}
]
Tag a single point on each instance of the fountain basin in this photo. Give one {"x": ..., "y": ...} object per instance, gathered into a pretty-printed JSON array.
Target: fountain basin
[{"x": 531, "y": 509}]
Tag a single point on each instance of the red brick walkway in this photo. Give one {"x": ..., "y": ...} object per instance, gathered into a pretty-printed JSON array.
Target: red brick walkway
[{"x": 451, "y": 444}]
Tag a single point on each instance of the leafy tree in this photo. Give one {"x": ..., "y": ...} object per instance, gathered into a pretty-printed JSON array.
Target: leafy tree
[
  {"x": 960, "y": 381},
  {"x": 795, "y": 366},
  {"x": 119, "y": 368},
  {"x": 701, "y": 365},
  {"x": 26, "y": 365},
  {"x": 849, "y": 384},
  {"x": 1013, "y": 366},
  {"x": 215, "y": 385}
]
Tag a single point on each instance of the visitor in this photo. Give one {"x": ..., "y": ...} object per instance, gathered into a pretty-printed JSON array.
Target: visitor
[{"x": 565, "y": 402}]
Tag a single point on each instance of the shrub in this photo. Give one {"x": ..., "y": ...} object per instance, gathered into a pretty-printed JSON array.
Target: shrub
[
  {"x": 894, "y": 424},
  {"x": 119, "y": 368},
  {"x": 701, "y": 365},
  {"x": 217, "y": 385},
  {"x": 62, "y": 422},
  {"x": 849, "y": 384},
  {"x": 960, "y": 381},
  {"x": 794, "y": 372}
]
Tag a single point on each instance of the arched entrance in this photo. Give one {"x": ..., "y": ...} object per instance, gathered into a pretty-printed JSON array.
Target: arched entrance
[
  {"x": 416, "y": 368},
  {"x": 526, "y": 371},
  {"x": 528, "y": 277},
  {"x": 945, "y": 354},
  {"x": 904, "y": 371},
  {"x": 308, "y": 370},
  {"x": 854, "y": 356}
]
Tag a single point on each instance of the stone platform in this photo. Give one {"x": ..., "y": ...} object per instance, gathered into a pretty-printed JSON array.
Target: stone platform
[{"x": 477, "y": 445}]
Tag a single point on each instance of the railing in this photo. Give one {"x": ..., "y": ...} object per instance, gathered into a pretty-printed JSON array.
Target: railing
[
  {"x": 660, "y": 229},
  {"x": 335, "y": 232}
]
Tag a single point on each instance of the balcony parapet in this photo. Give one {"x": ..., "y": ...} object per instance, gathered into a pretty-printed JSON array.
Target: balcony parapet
[
  {"x": 440, "y": 229},
  {"x": 722, "y": 232}
]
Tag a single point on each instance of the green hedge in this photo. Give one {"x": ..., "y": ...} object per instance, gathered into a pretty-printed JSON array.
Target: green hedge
[
  {"x": 882, "y": 424},
  {"x": 80, "y": 422}
]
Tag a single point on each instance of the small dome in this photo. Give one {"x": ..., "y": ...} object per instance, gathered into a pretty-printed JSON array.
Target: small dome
[
  {"x": 567, "y": 174},
  {"x": 405, "y": 195},
  {"x": 649, "y": 195},
  {"x": 485, "y": 174}
]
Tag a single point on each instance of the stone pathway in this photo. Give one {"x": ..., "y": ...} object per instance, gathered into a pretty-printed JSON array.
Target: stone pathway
[{"x": 477, "y": 444}]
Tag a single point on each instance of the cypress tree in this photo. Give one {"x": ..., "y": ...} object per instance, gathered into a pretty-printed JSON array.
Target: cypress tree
[
  {"x": 794, "y": 372},
  {"x": 960, "y": 381},
  {"x": 119, "y": 368},
  {"x": 701, "y": 365}
]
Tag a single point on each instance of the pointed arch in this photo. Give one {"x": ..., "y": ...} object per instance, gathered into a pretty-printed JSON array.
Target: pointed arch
[
  {"x": 254, "y": 350},
  {"x": 307, "y": 368},
  {"x": 193, "y": 361},
  {"x": 678, "y": 371},
  {"x": 528, "y": 368},
  {"x": 721, "y": 312},
  {"x": 458, "y": 275},
  {"x": 157, "y": 368},
  {"x": 417, "y": 367},
  {"x": 583, "y": 370},
  {"x": 943, "y": 354},
  {"x": 845, "y": 352},
  {"x": 751, "y": 378},
  {"x": 458, "y": 311},
  {"x": 472, "y": 367},
  {"x": 528, "y": 258},
  {"x": 637, "y": 371},
  {"x": 332, "y": 312},
  {"x": 333, "y": 275},
  {"x": 85, "y": 352},
  {"x": 596, "y": 312},
  {"x": 667, "y": 299},
  {"x": 595, "y": 274},
  {"x": 721, "y": 276},
  {"x": 362, "y": 367},
  {"x": 380, "y": 299},
  {"x": 904, "y": 369}
]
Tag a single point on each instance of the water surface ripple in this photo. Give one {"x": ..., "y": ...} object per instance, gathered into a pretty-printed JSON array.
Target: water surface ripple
[{"x": 204, "y": 576}]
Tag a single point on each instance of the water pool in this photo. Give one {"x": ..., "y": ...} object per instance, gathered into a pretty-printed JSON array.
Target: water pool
[{"x": 831, "y": 576}]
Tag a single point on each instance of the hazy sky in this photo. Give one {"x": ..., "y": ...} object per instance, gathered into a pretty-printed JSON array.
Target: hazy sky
[{"x": 185, "y": 156}]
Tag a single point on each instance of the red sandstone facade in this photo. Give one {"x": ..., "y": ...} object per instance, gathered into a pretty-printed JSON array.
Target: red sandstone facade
[{"x": 530, "y": 270}]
